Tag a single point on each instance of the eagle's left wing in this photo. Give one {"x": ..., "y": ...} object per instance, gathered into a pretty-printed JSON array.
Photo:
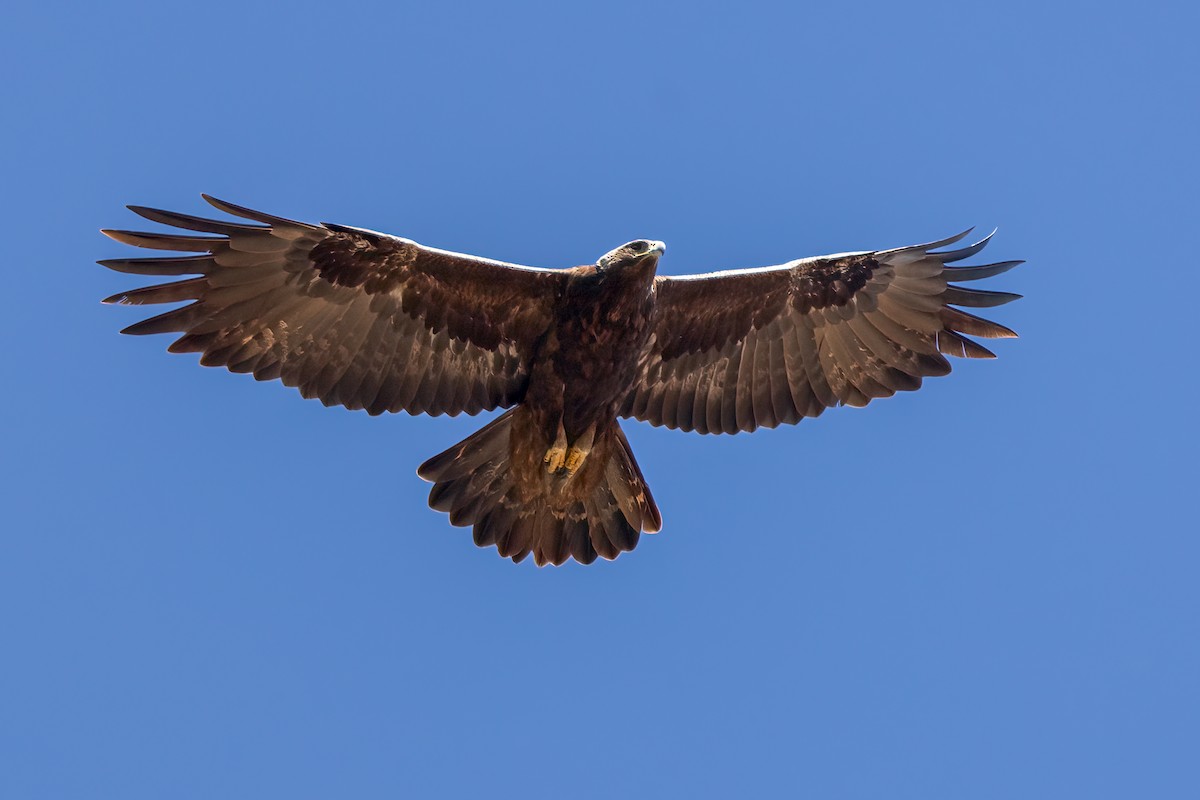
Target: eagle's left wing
[
  {"x": 734, "y": 351},
  {"x": 347, "y": 315}
]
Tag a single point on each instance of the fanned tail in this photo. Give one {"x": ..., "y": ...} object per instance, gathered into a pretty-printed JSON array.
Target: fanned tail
[{"x": 498, "y": 487}]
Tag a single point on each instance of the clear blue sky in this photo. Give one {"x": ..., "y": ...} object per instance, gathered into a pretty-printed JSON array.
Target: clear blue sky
[{"x": 210, "y": 587}]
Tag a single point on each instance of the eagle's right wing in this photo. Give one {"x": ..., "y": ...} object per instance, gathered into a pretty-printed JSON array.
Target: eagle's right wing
[
  {"x": 734, "y": 351},
  {"x": 349, "y": 316}
]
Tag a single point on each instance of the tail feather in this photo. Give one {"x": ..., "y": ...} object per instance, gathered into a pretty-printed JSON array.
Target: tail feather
[
  {"x": 483, "y": 446},
  {"x": 576, "y": 540},
  {"x": 630, "y": 488},
  {"x": 600, "y": 512}
]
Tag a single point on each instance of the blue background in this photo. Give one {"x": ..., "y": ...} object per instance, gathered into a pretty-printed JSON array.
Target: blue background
[{"x": 213, "y": 588}]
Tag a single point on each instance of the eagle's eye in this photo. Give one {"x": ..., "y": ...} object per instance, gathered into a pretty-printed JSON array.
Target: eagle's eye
[{"x": 639, "y": 247}]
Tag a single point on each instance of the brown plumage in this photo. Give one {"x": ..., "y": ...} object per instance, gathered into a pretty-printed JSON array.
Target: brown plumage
[{"x": 371, "y": 321}]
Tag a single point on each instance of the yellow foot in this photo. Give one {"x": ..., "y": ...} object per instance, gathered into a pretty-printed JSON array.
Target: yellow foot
[
  {"x": 554, "y": 459},
  {"x": 575, "y": 458}
]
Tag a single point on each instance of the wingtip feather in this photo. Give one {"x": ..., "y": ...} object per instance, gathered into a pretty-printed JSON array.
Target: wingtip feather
[
  {"x": 964, "y": 252},
  {"x": 249, "y": 213}
]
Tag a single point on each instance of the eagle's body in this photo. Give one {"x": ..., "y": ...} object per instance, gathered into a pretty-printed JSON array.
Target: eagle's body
[
  {"x": 371, "y": 321},
  {"x": 553, "y": 452},
  {"x": 586, "y": 363}
]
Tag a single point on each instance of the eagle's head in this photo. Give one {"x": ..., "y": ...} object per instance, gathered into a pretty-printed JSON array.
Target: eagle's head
[{"x": 640, "y": 252}]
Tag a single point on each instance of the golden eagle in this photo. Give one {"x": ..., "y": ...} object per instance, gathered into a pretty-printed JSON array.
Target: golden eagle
[{"x": 376, "y": 322}]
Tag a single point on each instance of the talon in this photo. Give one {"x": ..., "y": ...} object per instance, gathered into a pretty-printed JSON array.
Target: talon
[
  {"x": 574, "y": 460},
  {"x": 555, "y": 458}
]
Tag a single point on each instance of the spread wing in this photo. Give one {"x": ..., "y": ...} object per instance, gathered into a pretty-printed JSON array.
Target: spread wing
[
  {"x": 350, "y": 316},
  {"x": 733, "y": 351}
]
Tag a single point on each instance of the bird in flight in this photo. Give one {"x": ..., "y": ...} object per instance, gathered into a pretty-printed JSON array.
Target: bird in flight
[{"x": 376, "y": 322}]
